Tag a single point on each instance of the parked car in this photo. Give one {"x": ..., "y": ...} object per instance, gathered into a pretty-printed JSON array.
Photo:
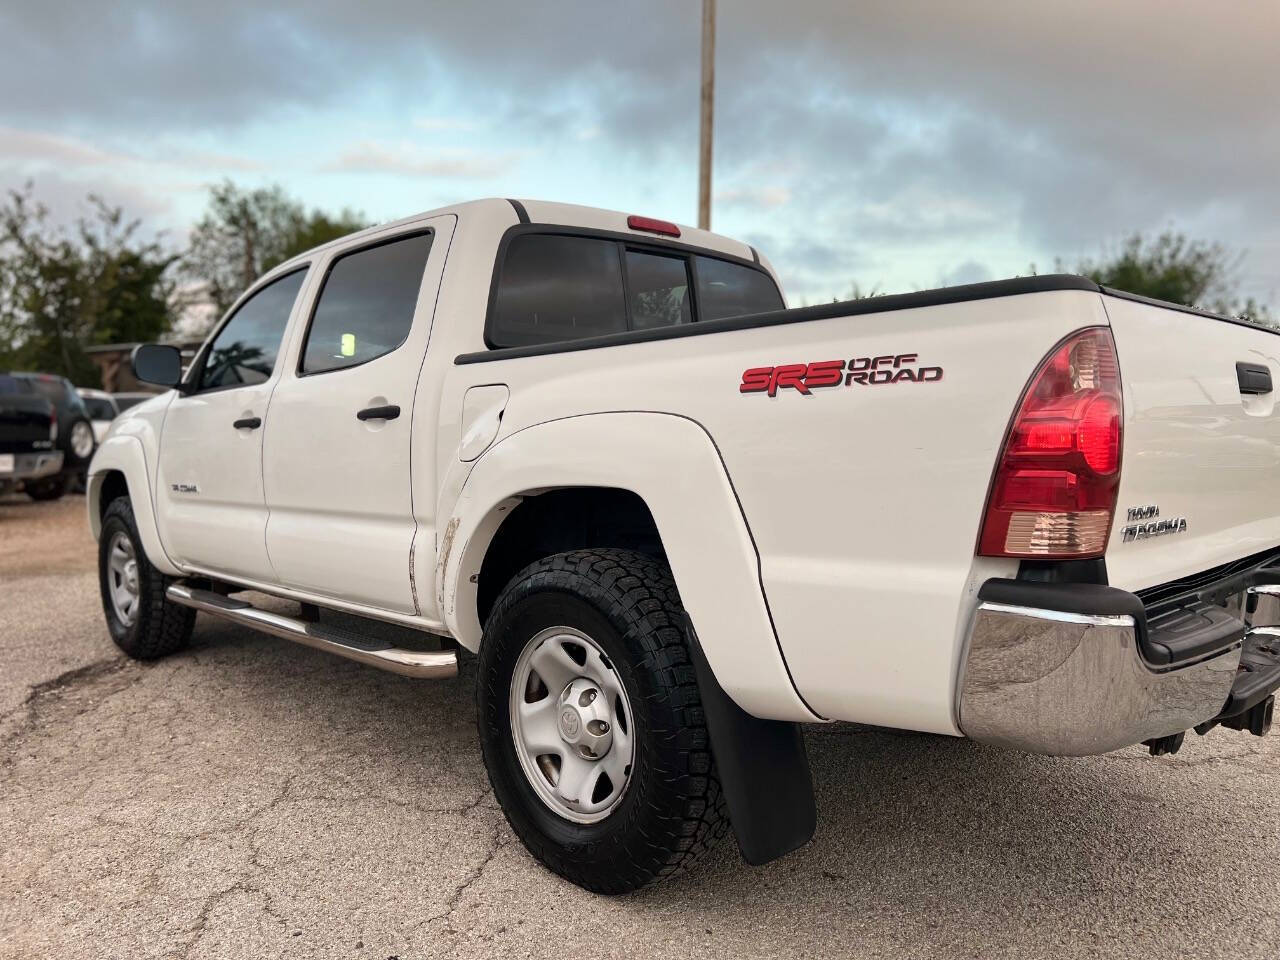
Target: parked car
[
  {"x": 102, "y": 409},
  {"x": 28, "y": 431},
  {"x": 75, "y": 435},
  {"x": 126, "y": 400},
  {"x": 675, "y": 520}
]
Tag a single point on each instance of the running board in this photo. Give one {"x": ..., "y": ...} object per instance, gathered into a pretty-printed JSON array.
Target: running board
[{"x": 428, "y": 665}]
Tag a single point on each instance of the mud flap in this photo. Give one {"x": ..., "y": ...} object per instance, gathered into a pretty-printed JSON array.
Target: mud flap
[{"x": 764, "y": 771}]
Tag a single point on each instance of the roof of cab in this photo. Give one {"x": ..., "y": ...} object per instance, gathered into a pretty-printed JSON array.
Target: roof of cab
[{"x": 539, "y": 212}]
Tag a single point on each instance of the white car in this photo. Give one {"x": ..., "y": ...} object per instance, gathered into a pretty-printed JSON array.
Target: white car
[
  {"x": 676, "y": 521},
  {"x": 102, "y": 409}
]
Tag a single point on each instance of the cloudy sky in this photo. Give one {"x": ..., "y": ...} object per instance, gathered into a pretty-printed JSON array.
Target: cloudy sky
[{"x": 898, "y": 145}]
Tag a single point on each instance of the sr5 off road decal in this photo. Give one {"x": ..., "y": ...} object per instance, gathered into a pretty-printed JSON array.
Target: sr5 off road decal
[{"x": 860, "y": 371}]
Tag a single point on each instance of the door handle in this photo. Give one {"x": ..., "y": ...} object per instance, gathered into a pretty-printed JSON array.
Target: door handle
[
  {"x": 1254, "y": 378},
  {"x": 389, "y": 412},
  {"x": 248, "y": 423}
]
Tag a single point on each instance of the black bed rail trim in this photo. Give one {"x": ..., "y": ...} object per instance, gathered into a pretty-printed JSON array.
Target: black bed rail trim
[
  {"x": 825, "y": 311},
  {"x": 1183, "y": 308}
]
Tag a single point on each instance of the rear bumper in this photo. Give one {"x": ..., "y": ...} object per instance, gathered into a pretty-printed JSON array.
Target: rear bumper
[
  {"x": 1064, "y": 671},
  {"x": 33, "y": 466}
]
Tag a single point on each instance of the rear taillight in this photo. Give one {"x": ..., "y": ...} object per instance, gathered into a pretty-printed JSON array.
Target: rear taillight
[
  {"x": 53, "y": 423},
  {"x": 1054, "y": 491}
]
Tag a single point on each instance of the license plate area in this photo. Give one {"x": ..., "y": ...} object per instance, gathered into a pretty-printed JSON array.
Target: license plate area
[{"x": 7, "y": 463}]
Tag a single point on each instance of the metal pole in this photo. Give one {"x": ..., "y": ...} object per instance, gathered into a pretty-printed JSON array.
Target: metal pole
[{"x": 708, "y": 100}]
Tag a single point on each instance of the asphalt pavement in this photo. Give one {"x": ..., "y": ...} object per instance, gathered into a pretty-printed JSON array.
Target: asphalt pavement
[{"x": 253, "y": 798}]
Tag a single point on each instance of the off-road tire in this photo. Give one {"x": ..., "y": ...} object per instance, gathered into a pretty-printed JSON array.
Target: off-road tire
[
  {"x": 49, "y": 488},
  {"x": 673, "y": 810},
  {"x": 161, "y": 627}
]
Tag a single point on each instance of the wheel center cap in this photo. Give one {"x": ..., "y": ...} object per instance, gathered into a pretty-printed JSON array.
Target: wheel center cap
[
  {"x": 570, "y": 725},
  {"x": 585, "y": 721}
]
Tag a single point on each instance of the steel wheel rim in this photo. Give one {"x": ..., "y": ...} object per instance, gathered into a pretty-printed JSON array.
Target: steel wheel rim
[
  {"x": 81, "y": 440},
  {"x": 122, "y": 578},
  {"x": 567, "y": 702}
]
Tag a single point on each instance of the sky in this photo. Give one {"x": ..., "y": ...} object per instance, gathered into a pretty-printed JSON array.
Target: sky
[{"x": 896, "y": 146}]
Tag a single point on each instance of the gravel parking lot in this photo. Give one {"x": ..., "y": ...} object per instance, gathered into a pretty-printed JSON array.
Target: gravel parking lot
[{"x": 251, "y": 798}]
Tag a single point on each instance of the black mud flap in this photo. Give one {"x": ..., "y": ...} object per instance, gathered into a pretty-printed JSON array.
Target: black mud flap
[{"x": 763, "y": 768}]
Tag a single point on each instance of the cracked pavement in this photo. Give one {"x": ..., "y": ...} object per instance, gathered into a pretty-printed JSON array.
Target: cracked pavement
[{"x": 252, "y": 798}]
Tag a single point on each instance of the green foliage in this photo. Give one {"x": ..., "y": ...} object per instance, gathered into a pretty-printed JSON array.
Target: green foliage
[
  {"x": 245, "y": 233},
  {"x": 1169, "y": 267},
  {"x": 1174, "y": 268},
  {"x": 64, "y": 290}
]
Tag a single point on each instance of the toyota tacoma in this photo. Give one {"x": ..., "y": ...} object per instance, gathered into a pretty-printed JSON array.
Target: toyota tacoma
[{"x": 675, "y": 521}]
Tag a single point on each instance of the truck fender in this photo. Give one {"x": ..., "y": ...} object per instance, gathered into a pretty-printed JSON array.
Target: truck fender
[
  {"x": 671, "y": 463},
  {"x": 125, "y": 453}
]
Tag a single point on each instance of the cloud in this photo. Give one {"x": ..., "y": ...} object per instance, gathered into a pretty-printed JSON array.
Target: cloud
[
  {"x": 25, "y": 146},
  {"x": 899, "y": 132},
  {"x": 412, "y": 161},
  {"x": 757, "y": 197}
]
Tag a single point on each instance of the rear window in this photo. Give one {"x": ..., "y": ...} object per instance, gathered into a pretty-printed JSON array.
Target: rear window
[
  {"x": 658, "y": 290},
  {"x": 9, "y": 386},
  {"x": 731, "y": 290},
  {"x": 50, "y": 389},
  {"x": 557, "y": 287}
]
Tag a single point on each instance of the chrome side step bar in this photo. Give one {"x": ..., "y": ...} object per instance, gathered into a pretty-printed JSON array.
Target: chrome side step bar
[{"x": 429, "y": 665}]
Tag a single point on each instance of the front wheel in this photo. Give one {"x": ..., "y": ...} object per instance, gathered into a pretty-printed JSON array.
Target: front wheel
[
  {"x": 143, "y": 622},
  {"x": 591, "y": 722}
]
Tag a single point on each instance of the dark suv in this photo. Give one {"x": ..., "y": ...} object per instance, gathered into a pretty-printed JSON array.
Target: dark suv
[{"x": 74, "y": 439}]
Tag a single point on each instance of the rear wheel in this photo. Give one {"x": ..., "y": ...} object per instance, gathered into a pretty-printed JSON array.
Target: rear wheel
[
  {"x": 142, "y": 620},
  {"x": 591, "y": 722}
]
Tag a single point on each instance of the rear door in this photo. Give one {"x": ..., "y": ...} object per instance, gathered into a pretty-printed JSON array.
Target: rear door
[
  {"x": 1200, "y": 479},
  {"x": 338, "y": 436}
]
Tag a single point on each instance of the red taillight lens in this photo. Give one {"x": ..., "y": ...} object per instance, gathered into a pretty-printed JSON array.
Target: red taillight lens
[
  {"x": 53, "y": 423},
  {"x": 1054, "y": 492}
]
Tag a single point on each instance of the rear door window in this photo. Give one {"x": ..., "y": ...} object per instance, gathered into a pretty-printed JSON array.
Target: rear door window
[
  {"x": 557, "y": 288},
  {"x": 366, "y": 305},
  {"x": 733, "y": 290},
  {"x": 245, "y": 349}
]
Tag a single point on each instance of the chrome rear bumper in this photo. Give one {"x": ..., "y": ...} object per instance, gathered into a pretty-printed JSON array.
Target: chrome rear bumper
[{"x": 1072, "y": 683}]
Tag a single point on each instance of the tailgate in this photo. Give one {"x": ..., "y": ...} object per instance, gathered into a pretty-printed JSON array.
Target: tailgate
[
  {"x": 24, "y": 423},
  {"x": 1200, "y": 481}
]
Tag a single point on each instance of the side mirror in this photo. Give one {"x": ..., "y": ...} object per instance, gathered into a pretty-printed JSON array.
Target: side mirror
[{"x": 157, "y": 363}]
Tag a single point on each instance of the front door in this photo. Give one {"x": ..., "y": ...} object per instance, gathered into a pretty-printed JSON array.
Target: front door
[
  {"x": 336, "y": 455},
  {"x": 209, "y": 495}
]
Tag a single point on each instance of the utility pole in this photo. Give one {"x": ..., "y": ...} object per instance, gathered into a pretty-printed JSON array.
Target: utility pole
[{"x": 708, "y": 101}]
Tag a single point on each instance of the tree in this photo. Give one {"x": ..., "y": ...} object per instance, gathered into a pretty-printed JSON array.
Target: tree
[
  {"x": 62, "y": 290},
  {"x": 1174, "y": 268},
  {"x": 245, "y": 233}
]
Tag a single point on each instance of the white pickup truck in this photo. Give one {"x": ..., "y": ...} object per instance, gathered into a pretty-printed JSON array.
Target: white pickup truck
[{"x": 675, "y": 520}]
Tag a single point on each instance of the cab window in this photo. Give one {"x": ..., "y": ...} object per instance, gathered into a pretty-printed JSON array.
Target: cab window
[
  {"x": 728, "y": 289},
  {"x": 557, "y": 288},
  {"x": 554, "y": 287},
  {"x": 366, "y": 306},
  {"x": 244, "y": 351}
]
